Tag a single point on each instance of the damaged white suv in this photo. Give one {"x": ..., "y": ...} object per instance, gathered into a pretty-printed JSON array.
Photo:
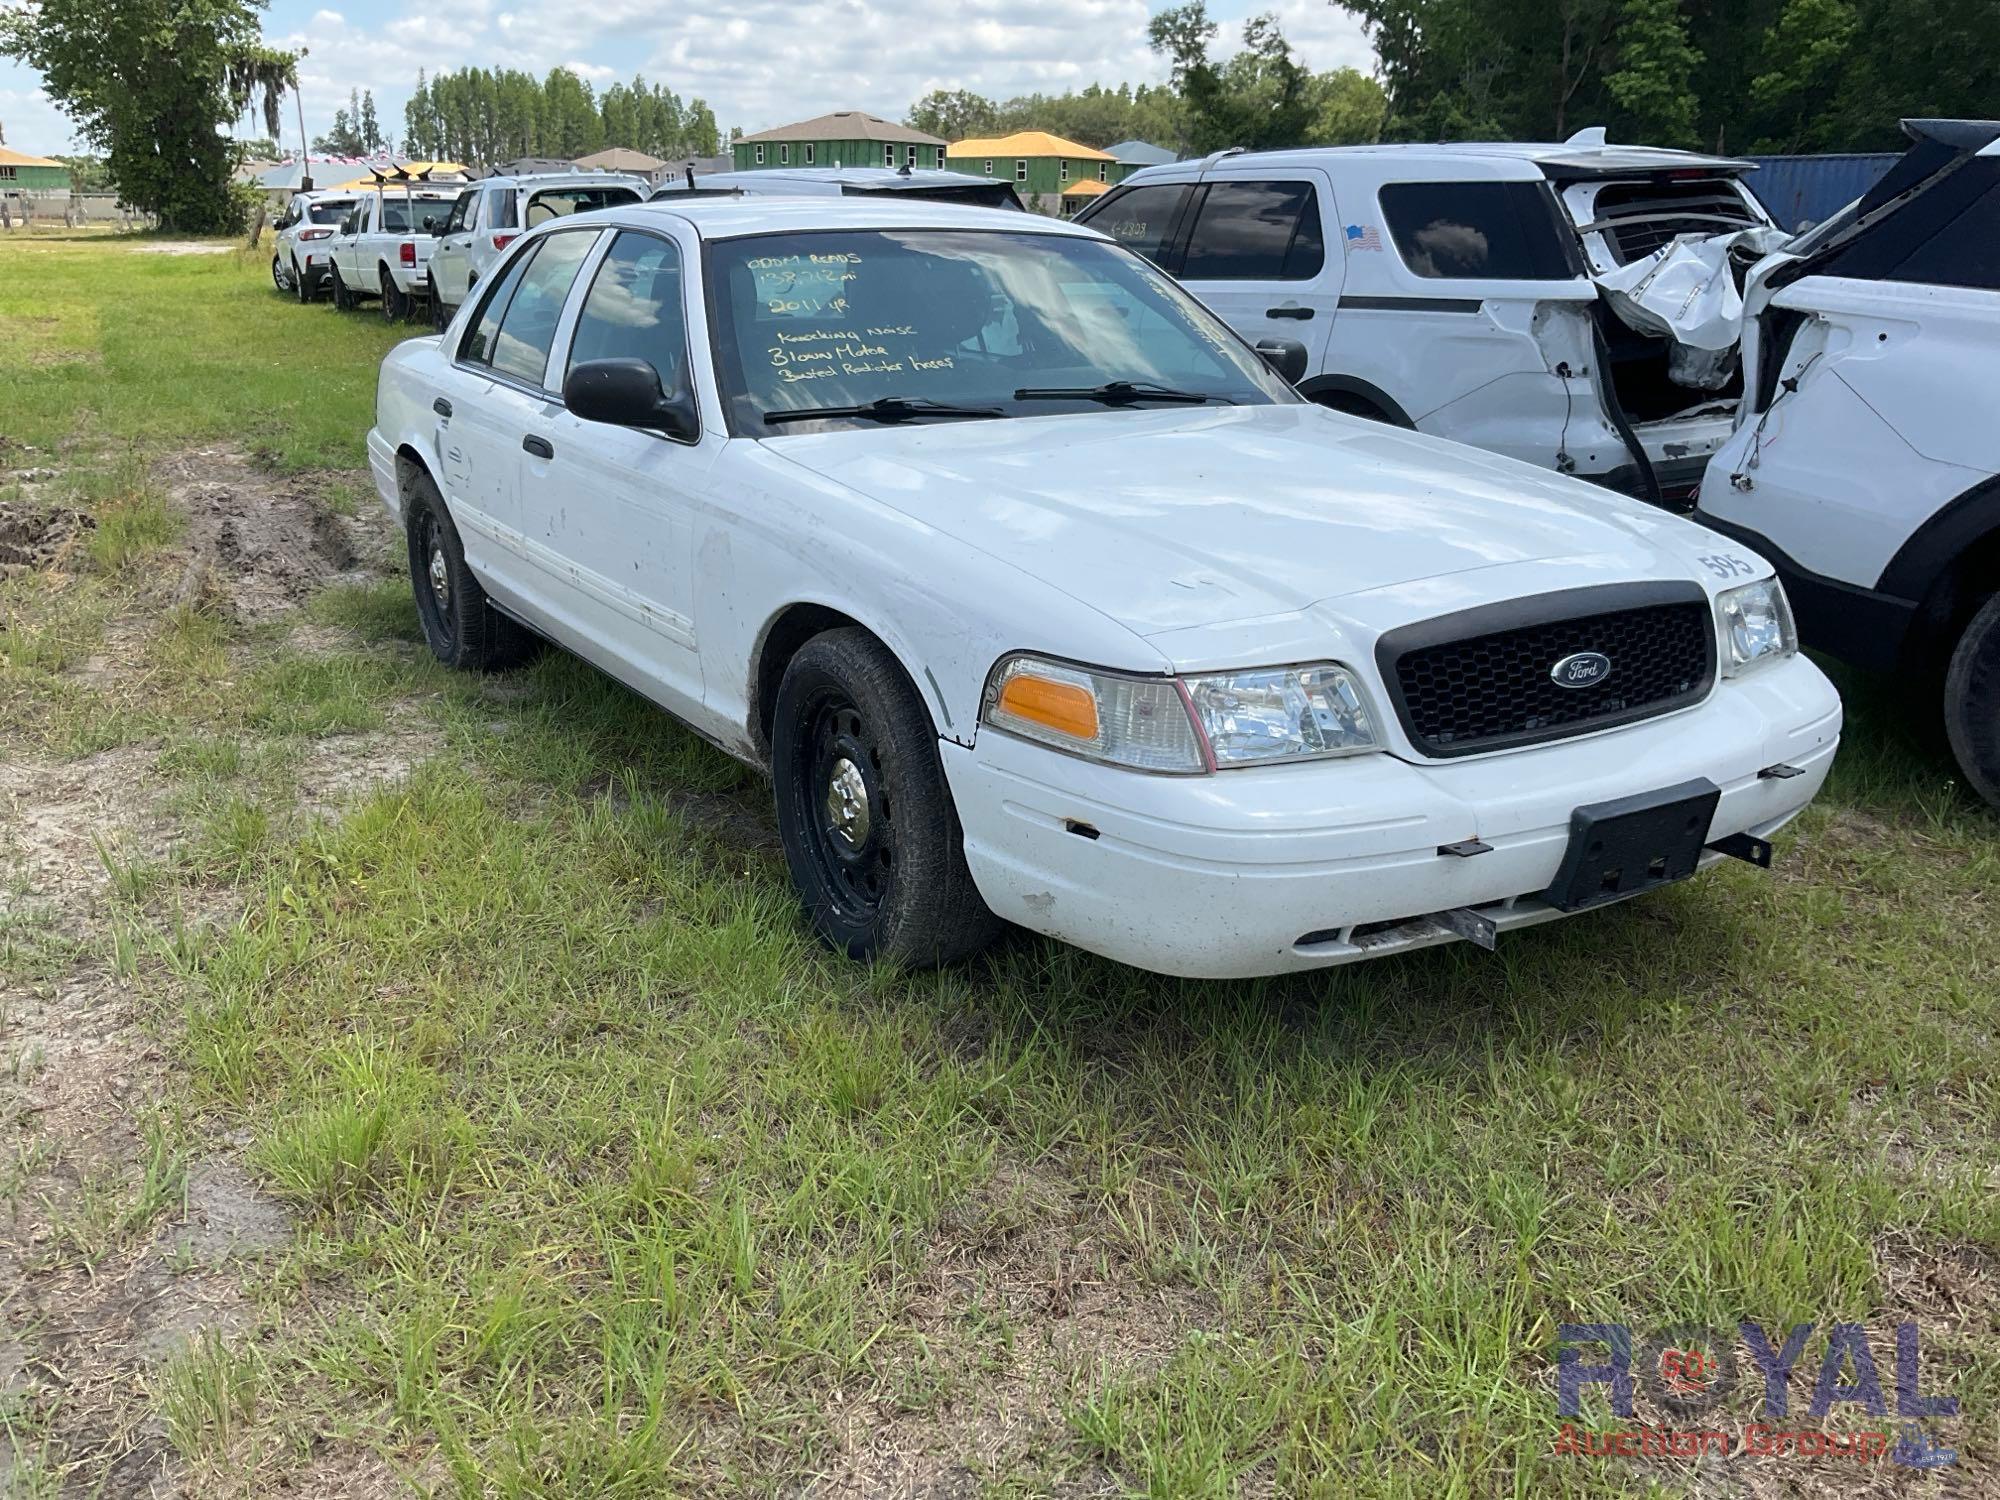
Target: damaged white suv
[
  {"x": 1455, "y": 288},
  {"x": 1043, "y": 599}
]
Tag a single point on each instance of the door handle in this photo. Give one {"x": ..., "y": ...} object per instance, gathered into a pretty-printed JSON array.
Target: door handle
[
  {"x": 539, "y": 446},
  {"x": 441, "y": 406},
  {"x": 1303, "y": 314}
]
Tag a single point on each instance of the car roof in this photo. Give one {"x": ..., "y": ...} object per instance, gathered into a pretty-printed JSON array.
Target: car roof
[
  {"x": 832, "y": 179},
  {"x": 1554, "y": 158},
  {"x": 564, "y": 179},
  {"x": 716, "y": 216}
]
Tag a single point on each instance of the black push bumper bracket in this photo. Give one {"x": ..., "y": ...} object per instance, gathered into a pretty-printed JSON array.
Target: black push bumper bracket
[{"x": 1745, "y": 846}]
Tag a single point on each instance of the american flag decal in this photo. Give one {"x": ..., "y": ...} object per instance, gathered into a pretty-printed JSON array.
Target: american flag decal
[{"x": 1363, "y": 237}]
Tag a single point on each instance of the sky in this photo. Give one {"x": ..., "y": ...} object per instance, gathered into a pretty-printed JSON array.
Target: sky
[{"x": 751, "y": 59}]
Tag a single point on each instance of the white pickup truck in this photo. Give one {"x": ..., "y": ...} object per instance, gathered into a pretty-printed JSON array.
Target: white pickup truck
[{"x": 383, "y": 247}]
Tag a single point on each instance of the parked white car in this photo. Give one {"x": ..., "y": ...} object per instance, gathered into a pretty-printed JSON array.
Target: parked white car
[
  {"x": 495, "y": 212},
  {"x": 936, "y": 184},
  {"x": 300, "y": 263},
  {"x": 1450, "y": 288},
  {"x": 1043, "y": 600},
  {"x": 1867, "y": 459},
  {"x": 384, "y": 247}
]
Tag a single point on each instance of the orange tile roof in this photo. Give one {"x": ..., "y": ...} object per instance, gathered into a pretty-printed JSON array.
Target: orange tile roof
[{"x": 1024, "y": 143}]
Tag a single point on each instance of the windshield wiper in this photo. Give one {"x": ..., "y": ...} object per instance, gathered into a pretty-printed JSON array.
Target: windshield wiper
[
  {"x": 1117, "y": 393},
  {"x": 884, "y": 409}
]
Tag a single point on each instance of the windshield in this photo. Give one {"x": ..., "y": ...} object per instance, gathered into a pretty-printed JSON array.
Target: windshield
[
  {"x": 1007, "y": 324},
  {"x": 558, "y": 203},
  {"x": 330, "y": 212}
]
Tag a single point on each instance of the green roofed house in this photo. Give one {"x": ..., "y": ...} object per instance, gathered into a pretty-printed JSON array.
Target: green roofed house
[{"x": 845, "y": 138}]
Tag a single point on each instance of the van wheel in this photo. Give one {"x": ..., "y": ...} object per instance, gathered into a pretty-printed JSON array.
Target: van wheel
[
  {"x": 1972, "y": 702},
  {"x": 866, "y": 819},
  {"x": 395, "y": 306},
  {"x": 461, "y": 626}
]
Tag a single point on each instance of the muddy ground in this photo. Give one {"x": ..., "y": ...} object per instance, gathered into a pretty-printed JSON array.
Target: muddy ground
[{"x": 111, "y": 1263}]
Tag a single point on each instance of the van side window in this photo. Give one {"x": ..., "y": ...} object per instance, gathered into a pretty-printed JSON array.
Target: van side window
[
  {"x": 1256, "y": 231},
  {"x": 1139, "y": 218},
  {"x": 1486, "y": 231}
]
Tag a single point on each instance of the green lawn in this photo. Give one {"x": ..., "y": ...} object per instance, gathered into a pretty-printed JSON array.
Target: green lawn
[{"x": 604, "y": 1180}]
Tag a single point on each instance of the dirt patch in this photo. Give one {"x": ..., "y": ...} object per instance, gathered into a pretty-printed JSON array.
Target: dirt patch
[
  {"x": 261, "y": 544},
  {"x": 34, "y": 536},
  {"x": 64, "y": 826}
]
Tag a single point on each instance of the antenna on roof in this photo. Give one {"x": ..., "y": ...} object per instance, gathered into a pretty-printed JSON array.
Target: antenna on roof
[{"x": 1590, "y": 135}]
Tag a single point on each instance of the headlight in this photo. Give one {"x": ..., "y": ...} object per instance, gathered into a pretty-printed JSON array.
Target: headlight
[
  {"x": 1184, "y": 726},
  {"x": 1282, "y": 713},
  {"x": 1756, "y": 625}
]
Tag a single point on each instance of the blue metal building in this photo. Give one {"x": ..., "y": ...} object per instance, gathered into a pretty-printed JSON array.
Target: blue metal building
[{"x": 1802, "y": 190}]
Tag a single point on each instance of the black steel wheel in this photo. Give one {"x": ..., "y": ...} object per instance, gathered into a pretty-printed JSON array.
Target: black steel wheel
[
  {"x": 460, "y": 624},
  {"x": 869, "y": 831}
]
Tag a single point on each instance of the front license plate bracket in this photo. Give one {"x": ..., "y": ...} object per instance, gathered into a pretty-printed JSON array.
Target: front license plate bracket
[{"x": 1633, "y": 844}]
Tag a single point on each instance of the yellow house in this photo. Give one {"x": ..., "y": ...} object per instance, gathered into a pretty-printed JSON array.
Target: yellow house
[{"x": 1042, "y": 167}]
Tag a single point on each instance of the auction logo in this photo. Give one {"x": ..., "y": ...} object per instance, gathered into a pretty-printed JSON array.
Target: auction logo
[{"x": 1691, "y": 1375}]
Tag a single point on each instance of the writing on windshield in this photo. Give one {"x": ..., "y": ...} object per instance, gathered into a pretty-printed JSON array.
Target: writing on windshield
[{"x": 838, "y": 319}]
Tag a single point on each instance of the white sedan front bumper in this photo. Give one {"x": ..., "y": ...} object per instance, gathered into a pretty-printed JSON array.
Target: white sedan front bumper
[{"x": 1265, "y": 871}]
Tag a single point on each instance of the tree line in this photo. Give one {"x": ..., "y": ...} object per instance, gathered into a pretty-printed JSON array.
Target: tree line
[
  {"x": 489, "y": 115},
  {"x": 1779, "y": 76},
  {"x": 1260, "y": 96}
]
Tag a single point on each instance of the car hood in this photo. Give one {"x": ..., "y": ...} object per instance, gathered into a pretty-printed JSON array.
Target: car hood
[{"x": 1170, "y": 519}]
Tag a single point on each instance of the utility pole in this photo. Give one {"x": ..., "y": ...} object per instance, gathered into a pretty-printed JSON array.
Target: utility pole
[{"x": 305, "y": 151}]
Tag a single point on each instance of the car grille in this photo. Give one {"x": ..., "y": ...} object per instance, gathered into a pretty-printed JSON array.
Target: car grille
[{"x": 1482, "y": 680}]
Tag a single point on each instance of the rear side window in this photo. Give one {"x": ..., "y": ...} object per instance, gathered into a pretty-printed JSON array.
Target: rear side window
[
  {"x": 1948, "y": 235},
  {"x": 328, "y": 213},
  {"x": 1486, "y": 231},
  {"x": 1139, "y": 218},
  {"x": 1256, "y": 231},
  {"x": 517, "y": 324},
  {"x": 633, "y": 310},
  {"x": 500, "y": 209}
]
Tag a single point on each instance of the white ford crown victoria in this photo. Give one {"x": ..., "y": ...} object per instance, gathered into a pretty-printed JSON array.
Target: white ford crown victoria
[{"x": 1043, "y": 599}]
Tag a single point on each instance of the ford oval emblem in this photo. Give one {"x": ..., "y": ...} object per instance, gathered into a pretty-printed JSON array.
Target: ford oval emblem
[{"x": 1581, "y": 670}]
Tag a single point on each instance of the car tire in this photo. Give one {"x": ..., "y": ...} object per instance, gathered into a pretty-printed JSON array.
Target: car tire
[
  {"x": 395, "y": 306},
  {"x": 341, "y": 300},
  {"x": 460, "y": 624},
  {"x": 1972, "y": 702},
  {"x": 864, "y": 813},
  {"x": 278, "y": 273},
  {"x": 302, "y": 286},
  {"x": 440, "y": 314}
]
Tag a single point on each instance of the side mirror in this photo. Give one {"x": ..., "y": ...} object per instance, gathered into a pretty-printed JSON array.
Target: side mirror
[
  {"x": 627, "y": 393},
  {"x": 1286, "y": 356},
  {"x": 430, "y": 224}
]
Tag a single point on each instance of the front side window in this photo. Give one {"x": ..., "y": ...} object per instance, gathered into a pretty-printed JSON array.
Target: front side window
[
  {"x": 1487, "y": 231},
  {"x": 1256, "y": 231},
  {"x": 633, "y": 309},
  {"x": 518, "y": 345},
  {"x": 842, "y": 318},
  {"x": 1139, "y": 218}
]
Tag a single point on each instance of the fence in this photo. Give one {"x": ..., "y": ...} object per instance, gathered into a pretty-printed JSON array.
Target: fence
[{"x": 26, "y": 210}]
